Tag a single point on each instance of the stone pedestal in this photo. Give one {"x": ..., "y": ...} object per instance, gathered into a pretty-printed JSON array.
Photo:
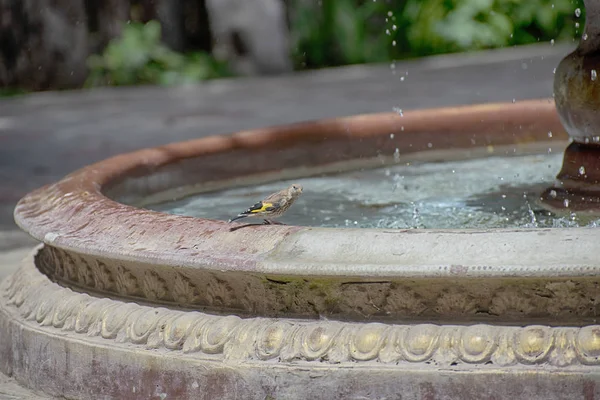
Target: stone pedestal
[{"x": 577, "y": 95}]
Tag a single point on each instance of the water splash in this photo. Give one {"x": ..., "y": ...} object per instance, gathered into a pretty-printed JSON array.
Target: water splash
[{"x": 495, "y": 192}]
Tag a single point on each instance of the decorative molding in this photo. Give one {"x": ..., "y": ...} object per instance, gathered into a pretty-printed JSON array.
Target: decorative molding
[
  {"x": 560, "y": 299},
  {"x": 31, "y": 296}
]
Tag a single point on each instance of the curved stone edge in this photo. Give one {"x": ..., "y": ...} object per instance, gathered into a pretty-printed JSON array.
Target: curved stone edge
[{"x": 31, "y": 298}]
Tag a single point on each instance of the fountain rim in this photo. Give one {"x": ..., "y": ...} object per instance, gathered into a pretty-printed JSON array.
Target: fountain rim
[{"x": 59, "y": 216}]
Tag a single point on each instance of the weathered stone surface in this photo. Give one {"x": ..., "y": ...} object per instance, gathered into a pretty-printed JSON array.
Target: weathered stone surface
[
  {"x": 11, "y": 390},
  {"x": 70, "y": 344}
]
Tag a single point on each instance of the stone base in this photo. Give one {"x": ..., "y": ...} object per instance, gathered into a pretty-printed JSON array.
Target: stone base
[{"x": 74, "y": 345}]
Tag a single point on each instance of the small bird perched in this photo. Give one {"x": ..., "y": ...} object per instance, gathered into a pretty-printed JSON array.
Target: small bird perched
[{"x": 274, "y": 205}]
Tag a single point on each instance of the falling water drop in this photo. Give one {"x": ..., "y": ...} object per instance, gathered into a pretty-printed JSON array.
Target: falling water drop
[
  {"x": 582, "y": 170},
  {"x": 552, "y": 42},
  {"x": 566, "y": 203},
  {"x": 584, "y": 36},
  {"x": 578, "y": 12},
  {"x": 549, "y": 133},
  {"x": 533, "y": 222},
  {"x": 399, "y": 111},
  {"x": 397, "y": 155},
  {"x": 594, "y": 75}
]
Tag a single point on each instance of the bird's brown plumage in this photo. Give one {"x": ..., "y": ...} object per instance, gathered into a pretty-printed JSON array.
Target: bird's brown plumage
[{"x": 274, "y": 205}]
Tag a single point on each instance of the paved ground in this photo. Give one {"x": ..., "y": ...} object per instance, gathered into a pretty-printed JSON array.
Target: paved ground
[{"x": 45, "y": 136}]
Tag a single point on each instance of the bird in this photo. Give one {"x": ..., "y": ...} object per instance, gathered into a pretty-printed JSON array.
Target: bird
[{"x": 273, "y": 206}]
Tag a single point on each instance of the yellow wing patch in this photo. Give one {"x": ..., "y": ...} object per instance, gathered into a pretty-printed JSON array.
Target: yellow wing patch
[{"x": 261, "y": 207}]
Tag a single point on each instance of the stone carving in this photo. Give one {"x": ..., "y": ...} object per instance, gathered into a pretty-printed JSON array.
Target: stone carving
[
  {"x": 561, "y": 298},
  {"x": 126, "y": 283},
  {"x": 183, "y": 290},
  {"x": 155, "y": 288},
  {"x": 37, "y": 300}
]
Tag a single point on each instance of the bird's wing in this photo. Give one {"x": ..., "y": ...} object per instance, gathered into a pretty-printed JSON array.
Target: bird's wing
[
  {"x": 261, "y": 206},
  {"x": 275, "y": 197}
]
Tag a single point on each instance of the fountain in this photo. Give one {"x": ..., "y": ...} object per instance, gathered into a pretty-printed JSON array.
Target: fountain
[{"x": 122, "y": 301}]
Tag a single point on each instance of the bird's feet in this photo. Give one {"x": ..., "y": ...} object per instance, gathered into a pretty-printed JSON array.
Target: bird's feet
[{"x": 272, "y": 222}]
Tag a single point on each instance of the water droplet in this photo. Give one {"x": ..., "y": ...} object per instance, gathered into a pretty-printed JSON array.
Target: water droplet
[
  {"x": 393, "y": 43},
  {"x": 552, "y": 42},
  {"x": 566, "y": 203},
  {"x": 549, "y": 133},
  {"x": 390, "y": 14},
  {"x": 578, "y": 12},
  {"x": 402, "y": 129},
  {"x": 397, "y": 155},
  {"x": 391, "y": 135},
  {"x": 554, "y": 70},
  {"x": 394, "y": 27},
  {"x": 576, "y": 25},
  {"x": 582, "y": 170},
  {"x": 387, "y": 32},
  {"x": 584, "y": 36},
  {"x": 402, "y": 78},
  {"x": 514, "y": 100},
  {"x": 553, "y": 194},
  {"x": 399, "y": 111},
  {"x": 503, "y": 196},
  {"x": 594, "y": 75},
  {"x": 429, "y": 145}
]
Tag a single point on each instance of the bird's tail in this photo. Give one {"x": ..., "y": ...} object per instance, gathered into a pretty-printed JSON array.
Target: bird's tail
[{"x": 239, "y": 216}]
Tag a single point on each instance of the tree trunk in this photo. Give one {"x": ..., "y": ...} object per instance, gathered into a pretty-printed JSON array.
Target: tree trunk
[{"x": 43, "y": 44}]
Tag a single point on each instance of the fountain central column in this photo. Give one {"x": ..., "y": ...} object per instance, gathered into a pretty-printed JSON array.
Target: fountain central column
[{"x": 577, "y": 96}]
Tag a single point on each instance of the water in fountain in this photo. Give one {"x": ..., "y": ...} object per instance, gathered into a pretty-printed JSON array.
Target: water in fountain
[{"x": 495, "y": 192}]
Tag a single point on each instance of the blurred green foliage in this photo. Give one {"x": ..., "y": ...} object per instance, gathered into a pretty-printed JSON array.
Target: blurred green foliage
[
  {"x": 139, "y": 57},
  {"x": 339, "y": 32}
]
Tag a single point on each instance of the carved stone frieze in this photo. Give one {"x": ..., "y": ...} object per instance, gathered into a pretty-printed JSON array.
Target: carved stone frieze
[
  {"x": 484, "y": 300},
  {"x": 30, "y": 297}
]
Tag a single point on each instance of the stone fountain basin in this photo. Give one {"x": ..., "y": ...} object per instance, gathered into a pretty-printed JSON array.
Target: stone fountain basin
[
  {"x": 124, "y": 302},
  {"x": 98, "y": 240}
]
